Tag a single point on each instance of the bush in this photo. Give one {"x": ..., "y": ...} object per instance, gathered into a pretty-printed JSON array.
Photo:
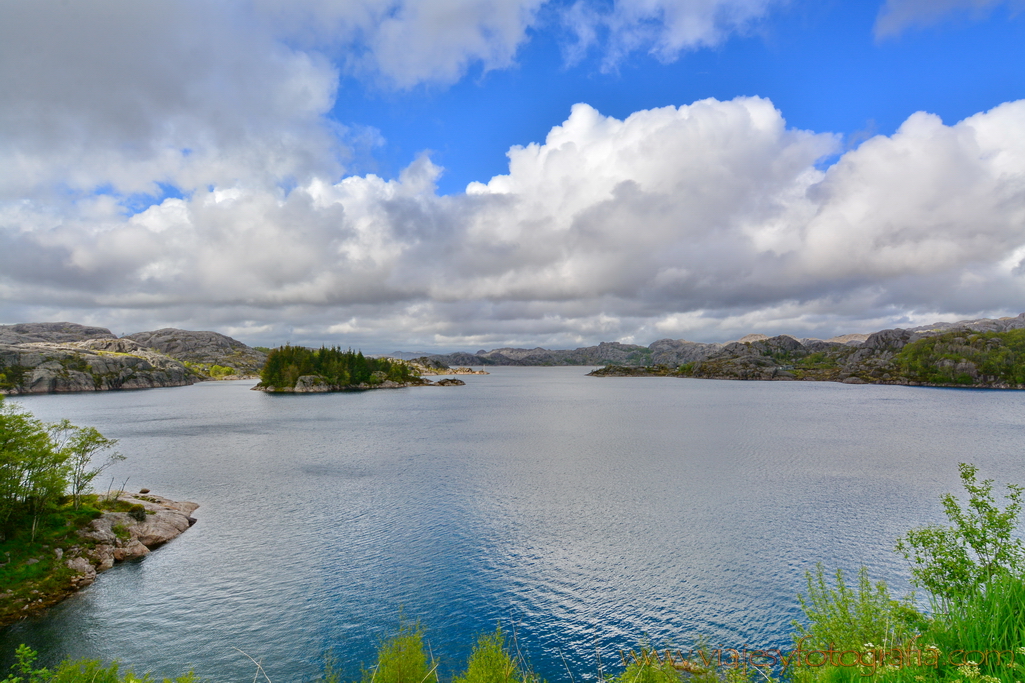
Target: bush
[
  {"x": 137, "y": 512},
  {"x": 955, "y": 562},
  {"x": 491, "y": 662},
  {"x": 402, "y": 659}
]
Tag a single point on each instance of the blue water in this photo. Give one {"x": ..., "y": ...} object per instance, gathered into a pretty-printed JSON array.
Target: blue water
[{"x": 584, "y": 514}]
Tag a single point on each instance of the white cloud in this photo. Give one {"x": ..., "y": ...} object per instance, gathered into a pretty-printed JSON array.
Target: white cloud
[
  {"x": 897, "y": 15},
  {"x": 687, "y": 222},
  {"x": 663, "y": 28}
]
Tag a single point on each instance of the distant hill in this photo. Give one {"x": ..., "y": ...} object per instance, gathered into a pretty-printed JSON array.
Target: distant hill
[
  {"x": 982, "y": 353},
  {"x": 676, "y": 352},
  {"x": 57, "y": 333},
  {"x": 209, "y": 354}
]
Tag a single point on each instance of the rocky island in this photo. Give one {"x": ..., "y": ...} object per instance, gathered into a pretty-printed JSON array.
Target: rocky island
[{"x": 299, "y": 370}]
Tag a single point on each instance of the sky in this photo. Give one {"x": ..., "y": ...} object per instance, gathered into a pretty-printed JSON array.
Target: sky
[{"x": 444, "y": 175}]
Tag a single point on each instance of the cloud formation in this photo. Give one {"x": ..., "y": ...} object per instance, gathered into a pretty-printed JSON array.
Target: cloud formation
[
  {"x": 699, "y": 221},
  {"x": 175, "y": 163}
]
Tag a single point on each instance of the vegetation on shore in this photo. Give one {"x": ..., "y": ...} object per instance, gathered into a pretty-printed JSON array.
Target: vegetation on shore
[
  {"x": 972, "y": 571},
  {"x": 330, "y": 368},
  {"x": 957, "y": 358},
  {"x": 45, "y": 471}
]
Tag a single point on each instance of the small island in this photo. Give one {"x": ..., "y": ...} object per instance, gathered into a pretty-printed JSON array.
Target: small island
[{"x": 299, "y": 370}]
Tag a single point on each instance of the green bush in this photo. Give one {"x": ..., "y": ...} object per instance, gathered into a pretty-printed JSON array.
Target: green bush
[
  {"x": 137, "y": 512},
  {"x": 491, "y": 662},
  {"x": 955, "y": 562},
  {"x": 402, "y": 659}
]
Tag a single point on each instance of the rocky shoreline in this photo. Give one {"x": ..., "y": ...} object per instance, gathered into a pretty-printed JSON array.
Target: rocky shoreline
[
  {"x": 315, "y": 384},
  {"x": 113, "y": 537}
]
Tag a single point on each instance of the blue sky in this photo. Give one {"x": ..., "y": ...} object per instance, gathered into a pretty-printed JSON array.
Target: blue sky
[
  {"x": 463, "y": 174},
  {"x": 819, "y": 62}
]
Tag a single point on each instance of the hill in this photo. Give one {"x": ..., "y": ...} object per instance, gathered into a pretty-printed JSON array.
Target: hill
[{"x": 211, "y": 355}]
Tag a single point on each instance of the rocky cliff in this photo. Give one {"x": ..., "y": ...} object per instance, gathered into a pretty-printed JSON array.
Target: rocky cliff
[
  {"x": 210, "y": 354},
  {"x": 95, "y": 364}
]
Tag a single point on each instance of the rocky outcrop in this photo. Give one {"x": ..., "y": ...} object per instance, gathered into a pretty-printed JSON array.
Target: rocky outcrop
[
  {"x": 959, "y": 357},
  {"x": 95, "y": 364},
  {"x": 118, "y": 536},
  {"x": 142, "y": 523},
  {"x": 315, "y": 384},
  {"x": 433, "y": 366},
  {"x": 208, "y": 354},
  {"x": 57, "y": 333},
  {"x": 675, "y": 352}
]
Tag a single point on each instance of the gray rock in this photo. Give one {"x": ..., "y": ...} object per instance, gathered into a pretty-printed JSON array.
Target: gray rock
[
  {"x": 85, "y": 570},
  {"x": 203, "y": 348},
  {"x": 165, "y": 520},
  {"x": 91, "y": 365},
  {"x": 23, "y": 333},
  {"x": 311, "y": 384}
]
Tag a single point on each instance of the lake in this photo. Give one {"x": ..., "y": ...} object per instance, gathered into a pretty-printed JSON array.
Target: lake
[{"x": 585, "y": 514}]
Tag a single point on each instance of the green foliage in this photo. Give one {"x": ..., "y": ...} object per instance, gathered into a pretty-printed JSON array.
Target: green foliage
[
  {"x": 491, "y": 662},
  {"x": 78, "y": 446},
  {"x": 221, "y": 371},
  {"x": 80, "y": 671},
  {"x": 137, "y": 512},
  {"x": 649, "y": 671},
  {"x": 955, "y": 562},
  {"x": 843, "y": 617},
  {"x": 961, "y": 357},
  {"x": 11, "y": 376},
  {"x": 33, "y": 474},
  {"x": 285, "y": 365},
  {"x": 985, "y": 621},
  {"x": 403, "y": 659}
]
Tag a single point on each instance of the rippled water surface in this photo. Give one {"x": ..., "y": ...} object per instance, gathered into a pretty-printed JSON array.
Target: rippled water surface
[{"x": 584, "y": 513}]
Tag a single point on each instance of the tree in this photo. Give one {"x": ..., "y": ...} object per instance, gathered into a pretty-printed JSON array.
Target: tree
[
  {"x": 78, "y": 446},
  {"x": 32, "y": 472},
  {"x": 957, "y": 561}
]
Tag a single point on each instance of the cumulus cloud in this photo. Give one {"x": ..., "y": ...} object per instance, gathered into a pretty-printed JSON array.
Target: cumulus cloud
[
  {"x": 897, "y": 15},
  {"x": 703, "y": 221}
]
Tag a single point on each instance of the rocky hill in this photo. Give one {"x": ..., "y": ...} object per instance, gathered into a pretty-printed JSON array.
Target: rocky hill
[
  {"x": 97, "y": 364},
  {"x": 57, "y": 333},
  {"x": 210, "y": 354},
  {"x": 978, "y": 353},
  {"x": 676, "y": 352},
  {"x": 67, "y": 357}
]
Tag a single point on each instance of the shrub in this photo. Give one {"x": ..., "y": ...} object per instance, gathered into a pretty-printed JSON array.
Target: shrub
[
  {"x": 491, "y": 662},
  {"x": 402, "y": 659},
  {"x": 955, "y": 562}
]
